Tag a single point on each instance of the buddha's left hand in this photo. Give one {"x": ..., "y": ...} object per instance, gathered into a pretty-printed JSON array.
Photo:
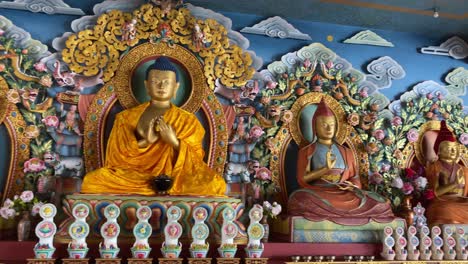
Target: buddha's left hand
[{"x": 168, "y": 134}]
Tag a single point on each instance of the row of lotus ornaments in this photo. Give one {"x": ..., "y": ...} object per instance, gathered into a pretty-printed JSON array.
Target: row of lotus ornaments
[
  {"x": 142, "y": 231},
  {"x": 425, "y": 244}
]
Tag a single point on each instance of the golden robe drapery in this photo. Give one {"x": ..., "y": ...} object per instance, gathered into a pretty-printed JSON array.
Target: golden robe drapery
[{"x": 129, "y": 169}]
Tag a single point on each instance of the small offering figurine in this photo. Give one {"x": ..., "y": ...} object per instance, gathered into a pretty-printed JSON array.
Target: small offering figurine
[
  {"x": 45, "y": 231},
  {"x": 110, "y": 231},
  {"x": 437, "y": 243},
  {"x": 388, "y": 243},
  {"x": 255, "y": 232},
  {"x": 229, "y": 231},
  {"x": 142, "y": 231},
  {"x": 171, "y": 246},
  {"x": 461, "y": 244},
  {"x": 419, "y": 219},
  {"x": 400, "y": 244},
  {"x": 200, "y": 233},
  {"x": 413, "y": 243},
  {"x": 79, "y": 230},
  {"x": 449, "y": 244},
  {"x": 425, "y": 243}
]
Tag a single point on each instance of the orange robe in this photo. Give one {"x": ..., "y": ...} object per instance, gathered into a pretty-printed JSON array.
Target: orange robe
[
  {"x": 450, "y": 208},
  {"x": 129, "y": 169}
]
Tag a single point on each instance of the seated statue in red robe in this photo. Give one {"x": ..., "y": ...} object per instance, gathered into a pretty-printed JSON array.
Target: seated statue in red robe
[
  {"x": 447, "y": 178},
  {"x": 332, "y": 187}
]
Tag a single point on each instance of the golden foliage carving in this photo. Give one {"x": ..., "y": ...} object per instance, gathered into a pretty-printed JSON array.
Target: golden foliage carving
[{"x": 94, "y": 50}]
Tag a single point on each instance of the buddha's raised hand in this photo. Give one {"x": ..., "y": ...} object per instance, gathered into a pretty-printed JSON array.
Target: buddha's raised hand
[{"x": 168, "y": 134}]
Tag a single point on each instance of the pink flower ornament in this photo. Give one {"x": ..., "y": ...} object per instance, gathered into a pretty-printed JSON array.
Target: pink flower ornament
[
  {"x": 34, "y": 165},
  {"x": 276, "y": 209},
  {"x": 420, "y": 182},
  {"x": 397, "y": 183},
  {"x": 396, "y": 121},
  {"x": 7, "y": 213},
  {"x": 376, "y": 178},
  {"x": 8, "y": 203},
  {"x": 385, "y": 167},
  {"x": 51, "y": 121},
  {"x": 267, "y": 205},
  {"x": 36, "y": 208},
  {"x": 379, "y": 134},
  {"x": 26, "y": 196},
  {"x": 407, "y": 188},
  {"x": 256, "y": 132},
  {"x": 263, "y": 174},
  {"x": 41, "y": 67},
  {"x": 464, "y": 139},
  {"x": 412, "y": 135}
]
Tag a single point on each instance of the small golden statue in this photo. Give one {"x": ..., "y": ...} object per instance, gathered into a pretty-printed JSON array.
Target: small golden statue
[
  {"x": 328, "y": 173},
  {"x": 156, "y": 138},
  {"x": 447, "y": 179}
]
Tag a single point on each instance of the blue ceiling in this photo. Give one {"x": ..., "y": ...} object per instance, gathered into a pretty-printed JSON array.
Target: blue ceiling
[{"x": 397, "y": 15}]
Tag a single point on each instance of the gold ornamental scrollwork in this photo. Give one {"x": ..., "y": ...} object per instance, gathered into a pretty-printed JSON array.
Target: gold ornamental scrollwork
[
  {"x": 91, "y": 51},
  {"x": 19, "y": 152},
  {"x": 3, "y": 99}
]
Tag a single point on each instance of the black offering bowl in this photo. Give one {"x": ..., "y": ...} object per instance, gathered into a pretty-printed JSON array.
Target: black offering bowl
[{"x": 162, "y": 184}]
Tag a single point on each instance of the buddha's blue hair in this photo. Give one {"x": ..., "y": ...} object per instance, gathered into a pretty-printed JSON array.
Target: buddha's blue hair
[{"x": 162, "y": 64}]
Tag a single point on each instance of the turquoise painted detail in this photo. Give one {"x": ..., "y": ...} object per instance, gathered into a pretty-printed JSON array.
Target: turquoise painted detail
[{"x": 307, "y": 231}]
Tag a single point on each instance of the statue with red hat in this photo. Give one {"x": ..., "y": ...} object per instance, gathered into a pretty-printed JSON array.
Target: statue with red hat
[
  {"x": 331, "y": 187},
  {"x": 447, "y": 179}
]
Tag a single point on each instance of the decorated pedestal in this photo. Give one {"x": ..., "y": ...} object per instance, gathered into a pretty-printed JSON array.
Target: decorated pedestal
[
  {"x": 142, "y": 231},
  {"x": 449, "y": 244},
  {"x": 387, "y": 244},
  {"x": 129, "y": 205},
  {"x": 41, "y": 261},
  {"x": 437, "y": 243},
  {"x": 229, "y": 231},
  {"x": 400, "y": 244},
  {"x": 171, "y": 246},
  {"x": 110, "y": 231},
  {"x": 199, "y": 260},
  {"x": 255, "y": 233},
  {"x": 139, "y": 261},
  {"x": 413, "y": 243},
  {"x": 460, "y": 238},
  {"x": 107, "y": 261},
  {"x": 425, "y": 243},
  {"x": 200, "y": 232},
  {"x": 45, "y": 231},
  {"x": 75, "y": 261},
  {"x": 256, "y": 260},
  {"x": 78, "y": 230}
]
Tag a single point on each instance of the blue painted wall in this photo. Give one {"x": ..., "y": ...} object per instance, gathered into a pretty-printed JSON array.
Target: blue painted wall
[{"x": 418, "y": 67}]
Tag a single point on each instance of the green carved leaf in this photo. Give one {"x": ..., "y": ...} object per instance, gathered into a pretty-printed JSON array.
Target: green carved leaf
[
  {"x": 404, "y": 114},
  {"x": 35, "y": 150},
  {"x": 28, "y": 116},
  {"x": 47, "y": 146},
  {"x": 401, "y": 143}
]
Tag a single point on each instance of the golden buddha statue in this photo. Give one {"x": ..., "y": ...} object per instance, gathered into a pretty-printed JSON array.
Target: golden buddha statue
[
  {"x": 156, "y": 138},
  {"x": 331, "y": 185},
  {"x": 447, "y": 178}
]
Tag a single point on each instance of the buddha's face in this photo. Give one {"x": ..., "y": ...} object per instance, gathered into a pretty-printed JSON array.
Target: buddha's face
[
  {"x": 325, "y": 127},
  {"x": 161, "y": 85},
  {"x": 448, "y": 150}
]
